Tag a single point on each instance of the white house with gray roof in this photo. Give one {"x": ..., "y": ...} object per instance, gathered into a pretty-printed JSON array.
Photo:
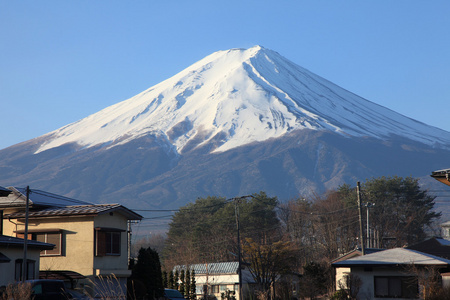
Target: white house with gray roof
[
  {"x": 388, "y": 274},
  {"x": 219, "y": 277}
]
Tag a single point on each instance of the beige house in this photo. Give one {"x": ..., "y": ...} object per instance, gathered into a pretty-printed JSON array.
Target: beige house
[{"x": 92, "y": 240}]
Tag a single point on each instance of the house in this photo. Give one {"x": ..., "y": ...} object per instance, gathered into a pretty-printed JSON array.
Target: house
[
  {"x": 442, "y": 176},
  {"x": 12, "y": 257},
  {"x": 393, "y": 273},
  {"x": 445, "y": 230},
  {"x": 219, "y": 277},
  {"x": 435, "y": 246},
  {"x": 92, "y": 240}
]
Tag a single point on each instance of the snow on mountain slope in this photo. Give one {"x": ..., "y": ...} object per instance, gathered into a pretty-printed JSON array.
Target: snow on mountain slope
[{"x": 241, "y": 96}]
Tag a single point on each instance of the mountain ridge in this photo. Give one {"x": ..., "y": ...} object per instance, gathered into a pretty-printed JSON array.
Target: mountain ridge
[{"x": 240, "y": 95}]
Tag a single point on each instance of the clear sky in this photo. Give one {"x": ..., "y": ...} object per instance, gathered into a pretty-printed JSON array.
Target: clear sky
[{"x": 61, "y": 61}]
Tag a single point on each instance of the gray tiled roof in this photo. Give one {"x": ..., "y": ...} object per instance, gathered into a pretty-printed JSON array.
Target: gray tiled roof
[
  {"x": 93, "y": 209},
  {"x": 396, "y": 256}
]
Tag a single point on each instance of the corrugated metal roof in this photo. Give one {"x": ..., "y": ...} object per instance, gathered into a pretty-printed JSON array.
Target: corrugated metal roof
[
  {"x": 76, "y": 210},
  {"x": 212, "y": 268}
]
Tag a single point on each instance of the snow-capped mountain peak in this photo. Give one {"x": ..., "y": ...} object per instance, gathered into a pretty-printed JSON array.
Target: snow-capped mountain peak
[{"x": 237, "y": 97}]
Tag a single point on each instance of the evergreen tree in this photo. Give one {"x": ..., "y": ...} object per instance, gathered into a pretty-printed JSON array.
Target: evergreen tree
[
  {"x": 182, "y": 281},
  {"x": 165, "y": 282},
  {"x": 147, "y": 275},
  {"x": 171, "y": 280},
  {"x": 402, "y": 210},
  {"x": 193, "y": 286},
  {"x": 187, "y": 288},
  {"x": 176, "y": 280},
  {"x": 206, "y": 229}
]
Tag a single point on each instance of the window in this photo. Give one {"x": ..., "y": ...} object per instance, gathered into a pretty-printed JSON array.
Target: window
[
  {"x": 223, "y": 288},
  {"x": 108, "y": 241},
  {"x": 50, "y": 238},
  {"x": 396, "y": 286},
  {"x": 199, "y": 289},
  {"x": 31, "y": 265},
  {"x": 214, "y": 289}
]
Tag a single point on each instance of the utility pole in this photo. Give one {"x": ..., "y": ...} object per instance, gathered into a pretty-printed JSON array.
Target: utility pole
[
  {"x": 361, "y": 236},
  {"x": 236, "y": 210},
  {"x": 25, "y": 240},
  {"x": 129, "y": 242}
]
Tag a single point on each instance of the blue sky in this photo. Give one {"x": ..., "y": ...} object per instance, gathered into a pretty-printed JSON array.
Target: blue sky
[{"x": 61, "y": 61}]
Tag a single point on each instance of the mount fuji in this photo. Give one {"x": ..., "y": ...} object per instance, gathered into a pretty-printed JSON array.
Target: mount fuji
[{"x": 238, "y": 121}]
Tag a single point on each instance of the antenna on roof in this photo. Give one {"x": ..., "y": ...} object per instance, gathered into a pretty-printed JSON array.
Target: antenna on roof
[{"x": 358, "y": 193}]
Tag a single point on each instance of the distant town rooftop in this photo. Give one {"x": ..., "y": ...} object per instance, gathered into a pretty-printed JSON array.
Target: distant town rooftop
[{"x": 442, "y": 176}]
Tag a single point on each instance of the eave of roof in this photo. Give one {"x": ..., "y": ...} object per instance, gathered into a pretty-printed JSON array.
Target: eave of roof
[
  {"x": 10, "y": 241},
  {"x": 60, "y": 275},
  {"x": 356, "y": 252}
]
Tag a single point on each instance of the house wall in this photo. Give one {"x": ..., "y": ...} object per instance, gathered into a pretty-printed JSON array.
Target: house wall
[
  {"x": 224, "y": 281},
  {"x": 445, "y": 231},
  {"x": 77, "y": 243},
  {"x": 446, "y": 281},
  {"x": 216, "y": 279},
  {"x": 7, "y": 270},
  {"x": 9, "y": 227},
  {"x": 366, "y": 290},
  {"x": 117, "y": 265},
  {"x": 340, "y": 280}
]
